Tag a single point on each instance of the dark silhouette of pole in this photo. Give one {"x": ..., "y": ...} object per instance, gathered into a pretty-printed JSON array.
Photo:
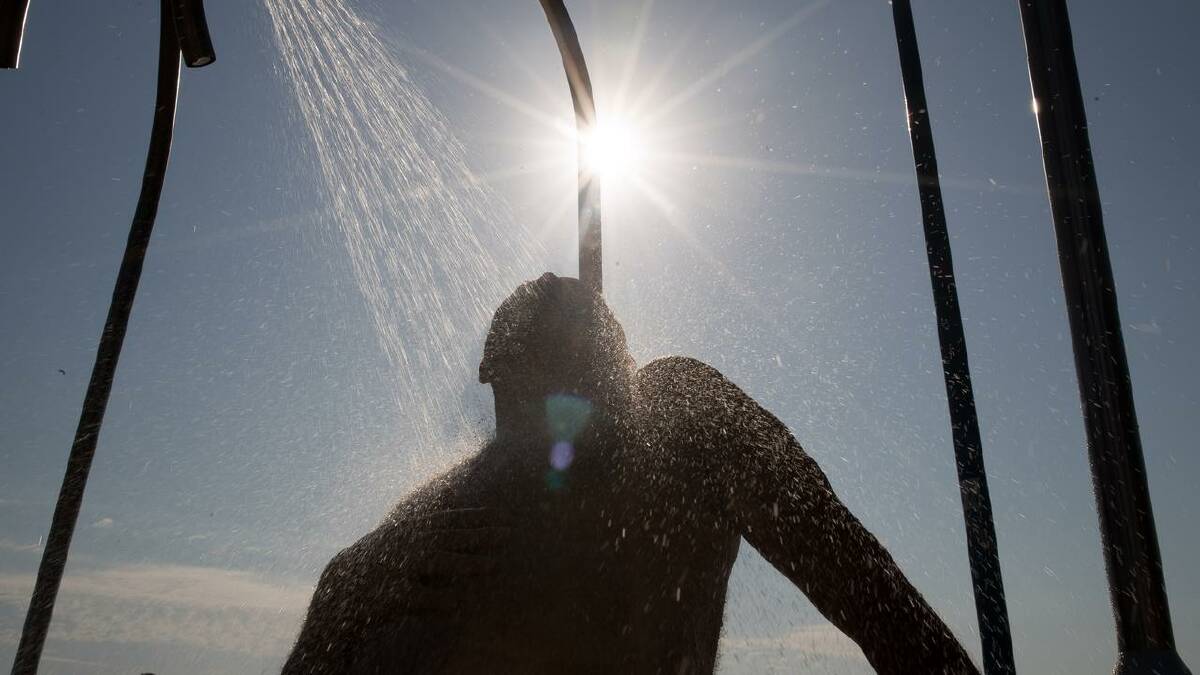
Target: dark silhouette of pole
[
  {"x": 191, "y": 30},
  {"x": 982, "y": 552},
  {"x": 1145, "y": 639},
  {"x": 591, "y": 271},
  {"x": 83, "y": 449},
  {"x": 12, "y": 30},
  {"x": 190, "y": 27}
]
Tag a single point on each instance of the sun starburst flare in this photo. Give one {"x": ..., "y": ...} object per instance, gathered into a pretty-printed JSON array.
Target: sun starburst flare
[
  {"x": 614, "y": 148},
  {"x": 648, "y": 141}
]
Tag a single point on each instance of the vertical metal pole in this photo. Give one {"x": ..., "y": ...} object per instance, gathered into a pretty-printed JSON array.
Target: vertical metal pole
[
  {"x": 1145, "y": 639},
  {"x": 12, "y": 30},
  {"x": 968, "y": 449},
  {"x": 591, "y": 270},
  {"x": 70, "y": 497}
]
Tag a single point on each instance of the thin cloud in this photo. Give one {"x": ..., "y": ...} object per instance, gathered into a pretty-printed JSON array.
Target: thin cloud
[
  {"x": 225, "y": 610},
  {"x": 1151, "y": 327},
  {"x": 252, "y": 614},
  {"x": 11, "y": 546},
  {"x": 49, "y": 658},
  {"x": 812, "y": 640}
]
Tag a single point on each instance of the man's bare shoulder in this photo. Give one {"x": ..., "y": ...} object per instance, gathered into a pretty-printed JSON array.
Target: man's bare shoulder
[
  {"x": 386, "y": 542},
  {"x": 443, "y": 491},
  {"x": 681, "y": 385},
  {"x": 687, "y": 398},
  {"x": 689, "y": 407},
  {"x": 676, "y": 367},
  {"x": 674, "y": 377}
]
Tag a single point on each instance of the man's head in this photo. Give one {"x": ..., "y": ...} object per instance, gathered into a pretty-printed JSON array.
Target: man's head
[{"x": 554, "y": 335}]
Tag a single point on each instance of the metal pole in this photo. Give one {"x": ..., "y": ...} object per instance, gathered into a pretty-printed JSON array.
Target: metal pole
[
  {"x": 12, "y": 30},
  {"x": 70, "y": 497},
  {"x": 191, "y": 29},
  {"x": 1145, "y": 639},
  {"x": 591, "y": 271},
  {"x": 968, "y": 449}
]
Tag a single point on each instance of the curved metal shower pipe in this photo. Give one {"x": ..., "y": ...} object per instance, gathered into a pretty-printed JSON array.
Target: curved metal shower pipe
[
  {"x": 591, "y": 271},
  {"x": 191, "y": 32},
  {"x": 183, "y": 31}
]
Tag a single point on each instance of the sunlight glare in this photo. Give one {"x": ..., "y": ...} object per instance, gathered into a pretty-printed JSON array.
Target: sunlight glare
[{"x": 613, "y": 149}]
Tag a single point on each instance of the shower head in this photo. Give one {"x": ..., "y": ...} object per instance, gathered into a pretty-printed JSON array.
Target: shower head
[
  {"x": 191, "y": 29},
  {"x": 12, "y": 27}
]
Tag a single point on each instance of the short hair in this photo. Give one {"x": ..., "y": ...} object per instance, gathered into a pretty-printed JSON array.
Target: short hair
[{"x": 559, "y": 327}]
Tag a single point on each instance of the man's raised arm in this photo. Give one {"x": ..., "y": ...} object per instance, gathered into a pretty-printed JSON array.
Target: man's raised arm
[{"x": 782, "y": 504}]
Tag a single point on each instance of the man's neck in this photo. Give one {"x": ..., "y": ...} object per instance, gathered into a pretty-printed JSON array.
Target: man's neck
[
  {"x": 531, "y": 426},
  {"x": 521, "y": 418}
]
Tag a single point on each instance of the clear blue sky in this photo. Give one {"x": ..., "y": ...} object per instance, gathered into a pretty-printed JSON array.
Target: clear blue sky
[{"x": 251, "y": 432}]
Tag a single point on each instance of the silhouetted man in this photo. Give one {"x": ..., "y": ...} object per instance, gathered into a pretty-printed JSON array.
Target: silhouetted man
[{"x": 597, "y": 531}]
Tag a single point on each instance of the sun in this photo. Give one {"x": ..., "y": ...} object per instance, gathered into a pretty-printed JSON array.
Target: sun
[
  {"x": 613, "y": 149},
  {"x": 644, "y": 149}
]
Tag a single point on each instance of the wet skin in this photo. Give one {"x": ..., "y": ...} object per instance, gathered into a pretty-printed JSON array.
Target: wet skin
[{"x": 618, "y": 562}]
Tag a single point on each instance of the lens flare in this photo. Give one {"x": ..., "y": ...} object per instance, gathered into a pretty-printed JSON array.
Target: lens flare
[
  {"x": 562, "y": 454},
  {"x": 612, "y": 149},
  {"x": 566, "y": 416}
]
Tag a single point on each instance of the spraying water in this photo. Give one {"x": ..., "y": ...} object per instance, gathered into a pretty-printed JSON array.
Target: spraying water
[{"x": 431, "y": 248}]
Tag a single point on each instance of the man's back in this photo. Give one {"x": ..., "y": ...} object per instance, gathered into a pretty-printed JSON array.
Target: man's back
[{"x": 619, "y": 561}]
